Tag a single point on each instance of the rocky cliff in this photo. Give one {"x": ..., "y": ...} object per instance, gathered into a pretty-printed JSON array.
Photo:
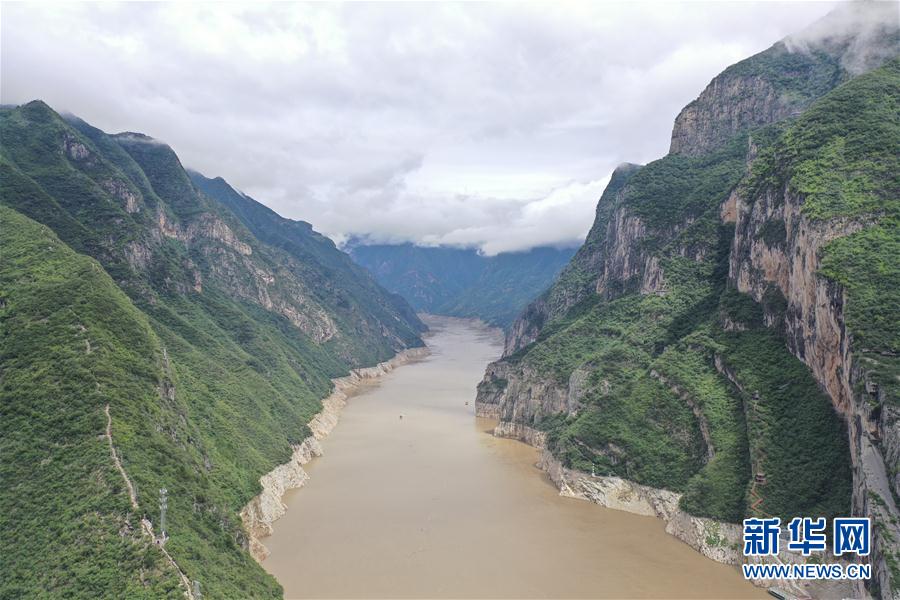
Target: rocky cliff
[
  {"x": 784, "y": 229},
  {"x": 577, "y": 279},
  {"x": 785, "y": 79},
  {"x": 728, "y": 331}
]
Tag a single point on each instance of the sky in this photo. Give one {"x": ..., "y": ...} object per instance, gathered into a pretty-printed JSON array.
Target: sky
[{"x": 488, "y": 125}]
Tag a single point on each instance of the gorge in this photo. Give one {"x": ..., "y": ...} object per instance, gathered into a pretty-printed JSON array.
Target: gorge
[
  {"x": 433, "y": 505},
  {"x": 203, "y": 398}
]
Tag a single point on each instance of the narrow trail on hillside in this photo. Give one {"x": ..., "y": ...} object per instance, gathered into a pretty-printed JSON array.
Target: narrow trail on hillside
[
  {"x": 146, "y": 525},
  {"x": 112, "y": 450},
  {"x": 755, "y": 495}
]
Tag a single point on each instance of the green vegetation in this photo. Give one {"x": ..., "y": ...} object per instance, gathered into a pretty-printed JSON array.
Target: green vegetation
[
  {"x": 675, "y": 188},
  {"x": 461, "y": 282},
  {"x": 843, "y": 154},
  {"x": 740, "y": 308},
  {"x": 718, "y": 489},
  {"x": 796, "y": 437},
  {"x": 332, "y": 277},
  {"x": 637, "y": 421},
  {"x": 179, "y": 322},
  {"x": 863, "y": 118},
  {"x": 652, "y": 357},
  {"x": 798, "y": 77},
  {"x": 866, "y": 264},
  {"x": 843, "y": 157},
  {"x": 635, "y": 425},
  {"x": 72, "y": 342},
  {"x": 642, "y": 432}
]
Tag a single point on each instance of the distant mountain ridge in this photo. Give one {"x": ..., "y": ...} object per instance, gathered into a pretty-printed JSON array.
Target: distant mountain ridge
[
  {"x": 460, "y": 281},
  {"x": 207, "y": 327}
]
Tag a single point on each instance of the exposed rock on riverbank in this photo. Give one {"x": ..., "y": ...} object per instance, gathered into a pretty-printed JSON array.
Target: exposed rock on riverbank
[
  {"x": 264, "y": 509},
  {"x": 717, "y": 540}
]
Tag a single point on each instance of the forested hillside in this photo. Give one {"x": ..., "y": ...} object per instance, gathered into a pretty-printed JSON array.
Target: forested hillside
[
  {"x": 144, "y": 321},
  {"x": 461, "y": 282},
  {"x": 729, "y": 329}
]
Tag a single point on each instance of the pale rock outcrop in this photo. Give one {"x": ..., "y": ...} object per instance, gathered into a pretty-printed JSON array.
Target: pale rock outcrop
[
  {"x": 213, "y": 228},
  {"x": 623, "y": 259},
  {"x": 119, "y": 189},
  {"x": 653, "y": 281},
  {"x": 717, "y": 540},
  {"x": 75, "y": 149},
  {"x": 728, "y": 210},
  {"x": 523, "y": 433},
  {"x": 517, "y": 394}
]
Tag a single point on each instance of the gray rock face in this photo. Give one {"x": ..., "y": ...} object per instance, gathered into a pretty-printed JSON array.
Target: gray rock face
[
  {"x": 730, "y": 104},
  {"x": 785, "y": 79},
  {"x": 521, "y": 396},
  {"x": 816, "y": 333}
]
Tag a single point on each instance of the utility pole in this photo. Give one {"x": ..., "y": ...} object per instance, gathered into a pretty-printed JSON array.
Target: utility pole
[{"x": 163, "y": 507}]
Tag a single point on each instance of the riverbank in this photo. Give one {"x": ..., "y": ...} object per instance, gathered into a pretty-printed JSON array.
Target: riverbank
[
  {"x": 433, "y": 506},
  {"x": 716, "y": 540},
  {"x": 267, "y": 507}
]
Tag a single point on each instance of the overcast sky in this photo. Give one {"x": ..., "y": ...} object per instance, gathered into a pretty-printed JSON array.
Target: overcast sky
[{"x": 488, "y": 125}]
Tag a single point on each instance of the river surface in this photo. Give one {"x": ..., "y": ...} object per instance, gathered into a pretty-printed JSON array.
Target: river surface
[{"x": 432, "y": 505}]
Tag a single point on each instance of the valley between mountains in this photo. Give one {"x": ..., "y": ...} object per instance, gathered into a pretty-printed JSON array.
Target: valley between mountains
[{"x": 725, "y": 344}]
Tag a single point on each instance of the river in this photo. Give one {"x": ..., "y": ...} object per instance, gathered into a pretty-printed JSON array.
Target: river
[{"x": 432, "y": 505}]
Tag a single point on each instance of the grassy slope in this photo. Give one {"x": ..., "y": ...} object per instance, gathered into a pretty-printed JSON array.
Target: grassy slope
[
  {"x": 240, "y": 384},
  {"x": 68, "y": 529}
]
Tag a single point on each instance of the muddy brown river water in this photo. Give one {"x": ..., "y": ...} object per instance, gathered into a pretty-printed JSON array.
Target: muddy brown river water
[{"x": 432, "y": 505}]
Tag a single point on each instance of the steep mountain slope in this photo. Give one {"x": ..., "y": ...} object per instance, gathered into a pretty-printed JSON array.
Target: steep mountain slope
[
  {"x": 461, "y": 282},
  {"x": 222, "y": 346},
  {"x": 333, "y": 276},
  {"x": 427, "y": 277},
  {"x": 729, "y": 329},
  {"x": 72, "y": 343}
]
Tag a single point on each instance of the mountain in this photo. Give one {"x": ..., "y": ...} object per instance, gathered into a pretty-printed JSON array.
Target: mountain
[
  {"x": 155, "y": 336},
  {"x": 725, "y": 343},
  {"x": 461, "y": 282},
  {"x": 331, "y": 274}
]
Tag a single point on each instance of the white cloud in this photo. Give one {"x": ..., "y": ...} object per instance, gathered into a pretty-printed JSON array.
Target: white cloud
[{"x": 486, "y": 124}]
